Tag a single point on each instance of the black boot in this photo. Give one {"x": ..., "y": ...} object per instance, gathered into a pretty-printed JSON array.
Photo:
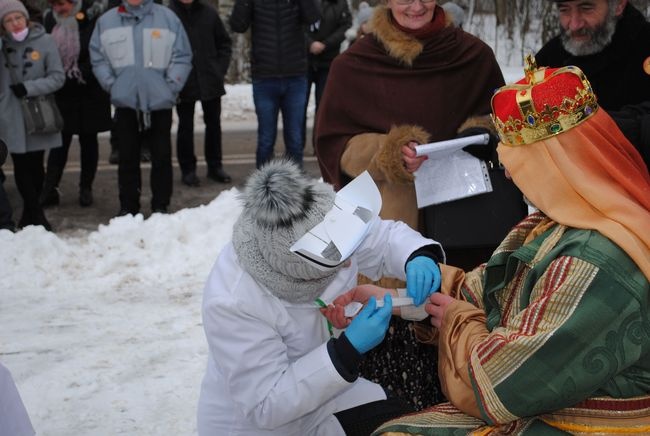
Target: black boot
[
  {"x": 50, "y": 193},
  {"x": 85, "y": 197},
  {"x": 218, "y": 175}
]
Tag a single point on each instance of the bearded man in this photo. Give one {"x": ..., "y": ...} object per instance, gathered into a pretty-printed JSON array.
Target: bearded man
[{"x": 610, "y": 41}]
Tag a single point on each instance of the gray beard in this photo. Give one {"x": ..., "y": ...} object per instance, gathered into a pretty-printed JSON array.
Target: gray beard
[{"x": 600, "y": 37}]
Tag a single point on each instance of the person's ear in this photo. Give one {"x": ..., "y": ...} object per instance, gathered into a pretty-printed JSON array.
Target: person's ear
[{"x": 620, "y": 7}]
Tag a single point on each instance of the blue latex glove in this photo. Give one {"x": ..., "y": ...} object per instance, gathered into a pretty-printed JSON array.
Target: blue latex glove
[
  {"x": 422, "y": 278},
  {"x": 369, "y": 327}
]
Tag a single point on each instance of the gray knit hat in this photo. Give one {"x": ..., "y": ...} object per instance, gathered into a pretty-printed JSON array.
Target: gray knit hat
[
  {"x": 281, "y": 204},
  {"x": 7, "y": 6}
]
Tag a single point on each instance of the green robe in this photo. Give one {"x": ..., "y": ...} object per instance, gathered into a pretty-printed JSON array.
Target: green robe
[{"x": 567, "y": 319}]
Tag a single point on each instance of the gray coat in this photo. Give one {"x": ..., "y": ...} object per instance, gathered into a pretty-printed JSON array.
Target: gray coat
[{"x": 37, "y": 64}]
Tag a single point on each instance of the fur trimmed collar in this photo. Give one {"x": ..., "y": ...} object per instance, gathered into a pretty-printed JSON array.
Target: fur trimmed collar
[{"x": 399, "y": 45}]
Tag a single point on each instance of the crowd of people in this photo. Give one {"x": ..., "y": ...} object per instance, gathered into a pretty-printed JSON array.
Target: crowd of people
[{"x": 478, "y": 315}]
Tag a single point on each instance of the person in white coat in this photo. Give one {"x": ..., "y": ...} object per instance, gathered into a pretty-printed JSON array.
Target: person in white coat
[
  {"x": 274, "y": 366},
  {"x": 14, "y": 420}
]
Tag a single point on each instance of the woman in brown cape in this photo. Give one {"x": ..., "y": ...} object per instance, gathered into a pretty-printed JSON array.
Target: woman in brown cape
[{"x": 415, "y": 79}]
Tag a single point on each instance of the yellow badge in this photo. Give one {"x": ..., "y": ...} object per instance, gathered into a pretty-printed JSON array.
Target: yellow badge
[
  {"x": 155, "y": 34},
  {"x": 80, "y": 16},
  {"x": 646, "y": 65},
  {"x": 35, "y": 55}
]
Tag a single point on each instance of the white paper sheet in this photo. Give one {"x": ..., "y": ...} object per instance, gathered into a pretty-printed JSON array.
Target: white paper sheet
[{"x": 450, "y": 173}]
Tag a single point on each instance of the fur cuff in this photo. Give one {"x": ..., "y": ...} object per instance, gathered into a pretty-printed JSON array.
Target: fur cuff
[
  {"x": 480, "y": 121},
  {"x": 389, "y": 158}
]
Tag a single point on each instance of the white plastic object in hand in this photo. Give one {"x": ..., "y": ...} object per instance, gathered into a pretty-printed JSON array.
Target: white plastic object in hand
[{"x": 354, "y": 307}]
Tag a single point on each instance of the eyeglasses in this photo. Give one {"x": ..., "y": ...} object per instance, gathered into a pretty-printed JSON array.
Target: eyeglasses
[
  {"x": 20, "y": 18},
  {"x": 410, "y": 2}
]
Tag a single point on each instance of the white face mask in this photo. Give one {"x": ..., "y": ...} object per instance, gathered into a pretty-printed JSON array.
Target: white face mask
[{"x": 20, "y": 36}]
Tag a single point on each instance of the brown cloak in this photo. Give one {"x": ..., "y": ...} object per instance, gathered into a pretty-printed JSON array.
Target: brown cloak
[{"x": 389, "y": 78}]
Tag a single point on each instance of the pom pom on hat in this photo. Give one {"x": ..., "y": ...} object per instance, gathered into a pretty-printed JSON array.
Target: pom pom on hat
[
  {"x": 278, "y": 194},
  {"x": 8, "y": 6}
]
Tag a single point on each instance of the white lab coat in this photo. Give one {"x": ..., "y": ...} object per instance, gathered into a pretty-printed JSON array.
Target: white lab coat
[
  {"x": 14, "y": 420},
  {"x": 269, "y": 372}
]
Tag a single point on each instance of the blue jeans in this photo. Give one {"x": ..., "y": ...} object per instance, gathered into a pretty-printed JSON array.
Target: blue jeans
[{"x": 287, "y": 94}]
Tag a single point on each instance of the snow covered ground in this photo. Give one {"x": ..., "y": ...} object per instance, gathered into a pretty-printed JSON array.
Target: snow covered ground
[{"x": 102, "y": 332}]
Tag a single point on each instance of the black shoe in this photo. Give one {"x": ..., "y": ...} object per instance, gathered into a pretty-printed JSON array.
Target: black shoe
[
  {"x": 145, "y": 155},
  {"x": 114, "y": 157},
  {"x": 125, "y": 212},
  {"x": 49, "y": 197},
  {"x": 219, "y": 175},
  {"x": 190, "y": 179},
  {"x": 36, "y": 218},
  {"x": 159, "y": 209},
  {"x": 85, "y": 197}
]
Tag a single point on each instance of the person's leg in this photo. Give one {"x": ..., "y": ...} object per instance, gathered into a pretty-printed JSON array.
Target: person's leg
[
  {"x": 364, "y": 419},
  {"x": 185, "y": 143},
  {"x": 293, "y": 116},
  {"x": 266, "y": 96},
  {"x": 161, "y": 160},
  {"x": 212, "y": 144},
  {"x": 128, "y": 171},
  {"x": 29, "y": 174},
  {"x": 114, "y": 140},
  {"x": 6, "y": 213},
  {"x": 320, "y": 80},
  {"x": 311, "y": 79},
  {"x": 89, "y": 157},
  {"x": 56, "y": 161}
]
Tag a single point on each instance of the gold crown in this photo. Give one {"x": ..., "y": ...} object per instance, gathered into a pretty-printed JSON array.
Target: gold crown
[{"x": 546, "y": 102}]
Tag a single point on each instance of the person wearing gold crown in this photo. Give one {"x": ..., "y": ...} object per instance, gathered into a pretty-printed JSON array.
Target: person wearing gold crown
[{"x": 552, "y": 335}]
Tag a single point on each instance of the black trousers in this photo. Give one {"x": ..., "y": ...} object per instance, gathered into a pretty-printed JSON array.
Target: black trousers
[
  {"x": 129, "y": 129},
  {"x": 185, "y": 137},
  {"x": 29, "y": 174},
  {"x": 363, "y": 420},
  {"x": 6, "y": 221},
  {"x": 58, "y": 157}
]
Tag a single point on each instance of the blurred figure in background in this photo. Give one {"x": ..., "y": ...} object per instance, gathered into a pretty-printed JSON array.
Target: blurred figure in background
[
  {"x": 324, "y": 40},
  {"x": 31, "y": 56},
  {"x": 279, "y": 69},
  {"x": 610, "y": 41},
  {"x": 211, "y": 51},
  {"x": 85, "y": 106},
  {"x": 144, "y": 76}
]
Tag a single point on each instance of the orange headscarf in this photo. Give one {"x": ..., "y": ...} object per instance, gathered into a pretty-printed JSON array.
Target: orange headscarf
[{"x": 588, "y": 177}]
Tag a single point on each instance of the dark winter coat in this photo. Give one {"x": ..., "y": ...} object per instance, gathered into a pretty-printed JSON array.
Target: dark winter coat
[
  {"x": 616, "y": 73},
  {"x": 85, "y": 107},
  {"x": 330, "y": 30},
  {"x": 211, "y": 50},
  {"x": 278, "y": 41}
]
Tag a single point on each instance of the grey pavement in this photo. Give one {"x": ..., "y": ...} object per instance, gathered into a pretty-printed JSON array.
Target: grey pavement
[{"x": 69, "y": 218}]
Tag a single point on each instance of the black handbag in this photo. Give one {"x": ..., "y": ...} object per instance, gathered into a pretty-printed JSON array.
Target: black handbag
[
  {"x": 40, "y": 113},
  {"x": 479, "y": 221}
]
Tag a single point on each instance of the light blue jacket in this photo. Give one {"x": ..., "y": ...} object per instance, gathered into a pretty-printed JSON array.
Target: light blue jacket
[{"x": 141, "y": 55}]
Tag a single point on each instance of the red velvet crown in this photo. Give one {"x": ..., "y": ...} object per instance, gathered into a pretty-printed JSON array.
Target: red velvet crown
[{"x": 546, "y": 102}]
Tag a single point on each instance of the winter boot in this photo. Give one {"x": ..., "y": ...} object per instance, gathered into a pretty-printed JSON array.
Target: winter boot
[{"x": 50, "y": 193}]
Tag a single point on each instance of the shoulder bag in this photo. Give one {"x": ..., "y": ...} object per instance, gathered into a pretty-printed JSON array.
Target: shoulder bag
[{"x": 40, "y": 113}]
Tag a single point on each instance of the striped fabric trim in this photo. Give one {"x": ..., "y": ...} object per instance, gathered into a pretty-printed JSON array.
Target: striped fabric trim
[
  {"x": 604, "y": 415},
  {"x": 493, "y": 361}
]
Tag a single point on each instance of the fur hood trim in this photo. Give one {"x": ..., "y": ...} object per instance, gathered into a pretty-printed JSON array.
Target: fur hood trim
[{"x": 405, "y": 48}]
